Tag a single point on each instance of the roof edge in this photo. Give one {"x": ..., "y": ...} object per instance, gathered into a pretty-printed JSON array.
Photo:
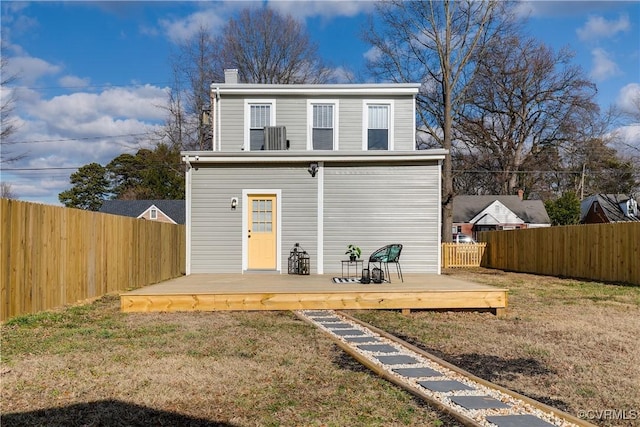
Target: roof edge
[
  {"x": 342, "y": 89},
  {"x": 310, "y": 156}
]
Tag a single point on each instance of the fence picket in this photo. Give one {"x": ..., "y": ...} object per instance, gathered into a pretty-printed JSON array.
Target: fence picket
[
  {"x": 52, "y": 256},
  {"x": 604, "y": 252}
]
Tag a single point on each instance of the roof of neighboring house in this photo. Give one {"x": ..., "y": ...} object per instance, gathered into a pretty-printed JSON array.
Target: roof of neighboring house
[
  {"x": 466, "y": 208},
  {"x": 610, "y": 204},
  {"x": 174, "y": 209}
]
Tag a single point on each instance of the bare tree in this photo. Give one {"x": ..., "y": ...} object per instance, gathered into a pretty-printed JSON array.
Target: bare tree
[
  {"x": 526, "y": 106},
  {"x": 436, "y": 43},
  {"x": 6, "y": 191},
  {"x": 7, "y": 123},
  {"x": 264, "y": 46},
  {"x": 194, "y": 66},
  {"x": 267, "y": 47}
]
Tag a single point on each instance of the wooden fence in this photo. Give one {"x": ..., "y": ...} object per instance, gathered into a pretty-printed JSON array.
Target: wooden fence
[
  {"x": 603, "y": 252},
  {"x": 52, "y": 256},
  {"x": 462, "y": 254}
]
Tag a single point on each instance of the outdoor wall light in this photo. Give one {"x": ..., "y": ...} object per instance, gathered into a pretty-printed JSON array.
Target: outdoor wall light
[
  {"x": 313, "y": 169},
  {"x": 234, "y": 203}
]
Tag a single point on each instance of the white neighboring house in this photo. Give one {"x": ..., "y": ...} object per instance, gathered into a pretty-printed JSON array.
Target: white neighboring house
[
  {"x": 171, "y": 211},
  {"x": 324, "y": 166},
  {"x": 472, "y": 214}
]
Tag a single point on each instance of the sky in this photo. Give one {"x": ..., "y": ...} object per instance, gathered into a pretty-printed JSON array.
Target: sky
[{"x": 93, "y": 76}]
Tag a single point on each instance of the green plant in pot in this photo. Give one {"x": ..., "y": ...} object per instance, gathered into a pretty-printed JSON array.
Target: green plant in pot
[{"x": 354, "y": 252}]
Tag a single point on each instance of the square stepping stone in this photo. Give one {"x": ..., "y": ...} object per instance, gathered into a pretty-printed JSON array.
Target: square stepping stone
[
  {"x": 444, "y": 386},
  {"x": 378, "y": 348},
  {"x": 416, "y": 372},
  {"x": 338, "y": 325},
  {"x": 397, "y": 360},
  {"x": 518, "y": 421},
  {"x": 318, "y": 313},
  {"x": 357, "y": 340},
  {"x": 326, "y": 319},
  {"x": 478, "y": 402},
  {"x": 348, "y": 332}
]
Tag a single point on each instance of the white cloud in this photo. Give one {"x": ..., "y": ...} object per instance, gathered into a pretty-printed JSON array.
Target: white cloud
[
  {"x": 341, "y": 75},
  {"x": 602, "y": 65},
  {"x": 629, "y": 98},
  {"x": 74, "y": 82},
  {"x": 29, "y": 69},
  {"x": 373, "y": 54},
  {"x": 183, "y": 29},
  {"x": 77, "y": 129},
  {"x": 323, "y": 8},
  {"x": 598, "y": 27}
]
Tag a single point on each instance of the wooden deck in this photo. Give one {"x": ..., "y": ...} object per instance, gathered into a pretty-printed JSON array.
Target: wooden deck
[{"x": 214, "y": 292}]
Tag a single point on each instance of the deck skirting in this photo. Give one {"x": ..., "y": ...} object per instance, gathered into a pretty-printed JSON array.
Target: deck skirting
[{"x": 284, "y": 292}]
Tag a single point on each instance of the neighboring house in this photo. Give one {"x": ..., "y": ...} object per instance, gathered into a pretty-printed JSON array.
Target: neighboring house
[
  {"x": 605, "y": 208},
  {"x": 172, "y": 211},
  {"x": 324, "y": 166},
  {"x": 472, "y": 214}
]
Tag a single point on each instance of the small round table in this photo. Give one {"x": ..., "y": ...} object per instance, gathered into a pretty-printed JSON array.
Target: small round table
[{"x": 348, "y": 263}]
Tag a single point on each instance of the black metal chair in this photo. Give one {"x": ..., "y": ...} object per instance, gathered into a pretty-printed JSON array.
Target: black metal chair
[{"x": 385, "y": 255}]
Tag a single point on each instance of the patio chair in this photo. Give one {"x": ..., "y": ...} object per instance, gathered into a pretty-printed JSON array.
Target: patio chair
[{"x": 386, "y": 255}]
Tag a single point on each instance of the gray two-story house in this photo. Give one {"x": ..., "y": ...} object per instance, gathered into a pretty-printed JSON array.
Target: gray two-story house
[{"x": 324, "y": 166}]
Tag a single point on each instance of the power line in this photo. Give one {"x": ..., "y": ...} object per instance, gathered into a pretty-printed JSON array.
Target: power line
[
  {"x": 502, "y": 171},
  {"x": 75, "y": 139},
  {"x": 90, "y": 86}
]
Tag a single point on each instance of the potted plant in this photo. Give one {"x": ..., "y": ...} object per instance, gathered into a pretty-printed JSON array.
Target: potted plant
[{"x": 354, "y": 252}]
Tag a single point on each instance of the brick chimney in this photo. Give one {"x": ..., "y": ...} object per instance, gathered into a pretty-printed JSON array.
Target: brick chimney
[
  {"x": 231, "y": 76},
  {"x": 521, "y": 194}
]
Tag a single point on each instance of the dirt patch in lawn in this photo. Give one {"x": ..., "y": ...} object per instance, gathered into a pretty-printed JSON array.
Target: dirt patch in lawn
[
  {"x": 570, "y": 344},
  {"x": 93, "y": 365}
]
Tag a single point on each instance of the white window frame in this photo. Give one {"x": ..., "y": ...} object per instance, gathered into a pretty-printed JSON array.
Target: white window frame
[
  {"x": 247, "y": 117},
  {"x": 153, "y": 213},
  {"x": 365, "y": 121},
  {"x": 336, "y": 114}
]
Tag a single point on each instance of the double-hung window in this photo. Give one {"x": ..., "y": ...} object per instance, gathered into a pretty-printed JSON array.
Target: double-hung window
[
  {"x": 258, "y": 114},
  {"x": 322, "y": 118},
  {"x": 378, "y": 125}
]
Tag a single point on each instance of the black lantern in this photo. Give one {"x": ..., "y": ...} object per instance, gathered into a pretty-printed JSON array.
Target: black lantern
[{"x": 299, "y": 262}]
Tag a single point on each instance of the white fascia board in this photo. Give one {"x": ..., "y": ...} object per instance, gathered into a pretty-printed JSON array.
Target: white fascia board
[
  {"x": 497, "y": 205},
  {"x": 317, "y": 89},
  {"x": 159, "y": 212},
  {"x": 200, "y": 157}
]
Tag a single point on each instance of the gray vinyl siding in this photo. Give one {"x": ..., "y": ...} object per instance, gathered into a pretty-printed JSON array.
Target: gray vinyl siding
[
  {"x": 232, "y": 123},
  {"x": 404, "y": 122},
  {"x": 372, "y": 206},
  {"x": 291, "y": 111},
  {"x": 216, "y": 231}
]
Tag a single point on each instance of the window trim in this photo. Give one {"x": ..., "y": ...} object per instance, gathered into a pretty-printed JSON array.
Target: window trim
[
  {"x": 365, "y": 122},
  {"x": 247, "y": 117},
  {"x": 336, "y": 115},
  {"x": 153, "y": 213}
]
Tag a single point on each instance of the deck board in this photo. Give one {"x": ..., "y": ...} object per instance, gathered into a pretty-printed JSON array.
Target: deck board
[{"x": 213, "y": 292}]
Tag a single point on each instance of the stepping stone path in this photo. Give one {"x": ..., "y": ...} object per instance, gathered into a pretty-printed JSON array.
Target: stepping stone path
[{"x": 464, "y": 397}]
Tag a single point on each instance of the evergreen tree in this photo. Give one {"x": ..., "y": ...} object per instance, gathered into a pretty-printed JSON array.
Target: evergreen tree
[
  {"x": 90, "y": 187},
  {"x": 565, "y": 210}
]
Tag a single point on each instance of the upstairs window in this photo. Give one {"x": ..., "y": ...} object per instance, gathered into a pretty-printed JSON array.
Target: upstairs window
[
  {"x": 378, "y": 128},
  {"x": 154, "y": 213},
  {"x": 322, "y": 119},
  {"x": 258, "y": 114}
]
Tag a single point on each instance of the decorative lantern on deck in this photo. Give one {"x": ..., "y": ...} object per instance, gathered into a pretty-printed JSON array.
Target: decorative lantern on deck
[{"x": 299, "y": 262}]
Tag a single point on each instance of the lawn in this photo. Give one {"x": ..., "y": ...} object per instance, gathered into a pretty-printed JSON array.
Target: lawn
[
  {"x": 91, "y": 365},
  {"x": 569, "y": 344}
]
